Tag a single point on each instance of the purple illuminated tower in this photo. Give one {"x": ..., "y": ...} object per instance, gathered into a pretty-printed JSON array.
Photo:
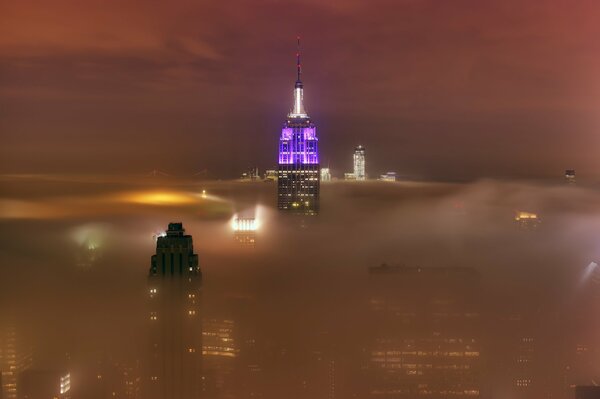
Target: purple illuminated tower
[{"x": 299, "y": 172}]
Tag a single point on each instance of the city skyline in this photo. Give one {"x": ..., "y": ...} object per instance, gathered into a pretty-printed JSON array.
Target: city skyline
[
  {"x": 180, "y": 219},
  {"x": 435, "y": 91}
]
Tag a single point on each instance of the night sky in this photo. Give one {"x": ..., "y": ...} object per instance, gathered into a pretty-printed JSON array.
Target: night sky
[{"x": 443, "y": 90}]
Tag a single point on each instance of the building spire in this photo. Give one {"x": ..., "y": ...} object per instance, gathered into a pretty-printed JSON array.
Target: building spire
[
  {"x": 298, "y": 110},
  {"x": 299, "y": 68}
]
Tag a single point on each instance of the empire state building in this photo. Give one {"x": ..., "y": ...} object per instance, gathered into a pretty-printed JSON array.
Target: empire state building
[{"x": 299, "y": 172}]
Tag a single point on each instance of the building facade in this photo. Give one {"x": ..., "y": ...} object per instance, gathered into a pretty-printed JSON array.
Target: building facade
[
  {"x": 15, "y": 358},
  {"x": 299, "y": 172},
  {"x": 175, "y": 280},
  {"x": 359, "y": 163},
  {"x": 425, "y": 333}
]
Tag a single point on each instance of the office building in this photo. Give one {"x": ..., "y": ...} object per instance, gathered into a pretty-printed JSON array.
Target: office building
[
  {"x": 175, "y": 280},
  {"x": 359, "y": 163},
  {"x": 325, "y": 174},
  {"x": 15, "y": 358},
  {"x": 424, "y": 333},
  {"x": 271, "y": 175},
  {"x": 389, "y": 176},
  {"x": 299, "y": 172},
  {"x": 244, "y": 231},
  {"x": 250, "y": 175},
  {"x": 219, "y": 352}
]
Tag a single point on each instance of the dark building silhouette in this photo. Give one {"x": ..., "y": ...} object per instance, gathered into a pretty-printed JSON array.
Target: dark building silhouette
[
  {"x": 299, "y": 172},
  {"x": 587, "y": 392},
  {"x": 425, "y": 333},
  {"x": 174, "y": 367}
]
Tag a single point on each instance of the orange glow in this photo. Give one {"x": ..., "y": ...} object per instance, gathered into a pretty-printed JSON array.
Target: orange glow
[{"x": 159, "y": 198}]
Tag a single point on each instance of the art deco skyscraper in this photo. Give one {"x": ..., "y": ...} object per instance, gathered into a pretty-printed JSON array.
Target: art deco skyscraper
[
  {"x": 359, "y": 163},
  {"x": 298, "y": 174},
  {"x": 175, "y": 280}
]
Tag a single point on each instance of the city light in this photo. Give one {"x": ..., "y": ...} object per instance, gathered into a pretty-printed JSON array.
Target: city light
[
  {"x": 525, "y": 216},
  {"x": 244, "y": 224},
  {"x": 65, "y": 383},
  {"x": 527, "y": 220}
]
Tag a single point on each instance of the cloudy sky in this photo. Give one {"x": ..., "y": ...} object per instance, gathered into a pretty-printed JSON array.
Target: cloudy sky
[{"x": 445, "y": 90}]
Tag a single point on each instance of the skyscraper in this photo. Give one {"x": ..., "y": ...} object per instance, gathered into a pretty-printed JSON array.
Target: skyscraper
[
  {"x": 298, "y": 175},
  {"x": 359, "y": 163},
  {"x": 325, "y": 174},
  {"x": 425, "y": 333},
  {"x": 174, "y": 367},
  {"x": 15, "y": 357}
]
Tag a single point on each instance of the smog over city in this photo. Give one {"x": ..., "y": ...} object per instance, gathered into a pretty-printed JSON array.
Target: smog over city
[{"x": 304, "y": 199}]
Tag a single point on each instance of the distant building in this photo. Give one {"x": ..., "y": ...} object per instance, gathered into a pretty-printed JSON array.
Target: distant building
[
  {"x": 244, "y": 231},
  {"x": 570, "y": 175},
  {"x": 587, "y": 392},
  {"x": 349, "y": 176},
  {"x": 527, "y": 220},
  {"x": 175, "y": 280},
  {"x": 219, "y": 352},
  {"x": 15, "y": 358},
  {"x": 389, "y": 176},
  {"x": 271, "y": 175},
  {"x": 250, "y": 175},
  {"x": 424, "y": 333},
  {"x": 299, "y": 178},
  {"x": 359, "y": 163},
  {"x": 325, "y": 174}
]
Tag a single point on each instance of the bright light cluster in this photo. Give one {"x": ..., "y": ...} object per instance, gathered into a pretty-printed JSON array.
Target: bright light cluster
[
  {"x": 244, "y": 224},
  {"x": 525, "y": 216},
  {"x": 298, "y": 145},
  {"x": 65, "y": 383}
]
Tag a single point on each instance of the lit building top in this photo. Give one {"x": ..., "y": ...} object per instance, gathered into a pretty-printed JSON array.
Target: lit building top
[
  {"x": 175, "y": 254},
  {"x": 244, "y": 224},
  {"x": 298, "y": 110},
  {"x": 298, "y": 141}
]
